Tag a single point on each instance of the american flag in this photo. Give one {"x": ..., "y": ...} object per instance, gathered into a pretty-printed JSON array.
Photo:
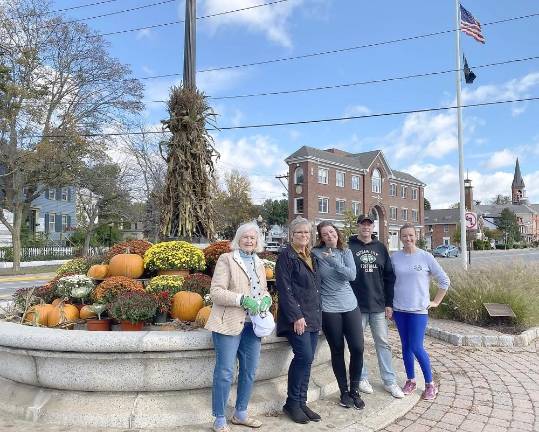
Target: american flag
[{"x": 470, "y": 26}]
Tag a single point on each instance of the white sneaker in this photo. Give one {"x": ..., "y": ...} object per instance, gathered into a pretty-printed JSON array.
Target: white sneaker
[
  {"x": 395, "y": 390},
  {"x": 365, "y": 386}
]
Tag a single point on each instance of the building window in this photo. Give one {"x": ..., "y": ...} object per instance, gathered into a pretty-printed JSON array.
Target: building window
[
  {"x": 323, "y": 204},
  {"x": 355, "y": 182},
  {"x": 404, "y": 214},
  {"x": 52, "y": 222},
  {"x": 65, "y": 194},
  {"x": 376, "y": 181},
  {"x": 323, "y": 174},
  {"x": 340, "y": 206},
  {"x": 446, "y": 229},
  {"x": 414, "y": 216},
  {"x": 403, "y": 191},
  {"x": 339, "y": 179},
  {"x": 392, "y": 189},
  {"x": 298, "y": 206},
  {"x": 65, "y": 223},
  {"x": 298, "y": 176},
  {"x": 355, "y": 208},
  {"x": 414, "y": 193},
  {"x": 52, "y": 194},
  {"x": 393, "y": 213}
]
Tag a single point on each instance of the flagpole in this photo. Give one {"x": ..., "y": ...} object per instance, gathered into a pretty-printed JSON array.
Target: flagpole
[{"x": 463, "y": 245}]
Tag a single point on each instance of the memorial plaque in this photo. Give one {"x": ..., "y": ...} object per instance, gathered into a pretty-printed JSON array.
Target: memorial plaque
[{"x": 499, "y": 310}]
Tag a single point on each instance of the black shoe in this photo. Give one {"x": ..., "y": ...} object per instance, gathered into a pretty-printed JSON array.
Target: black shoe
[
  {"x": 296, "y": 414},
  {"x": 313, "y": 416},
  {"x": 346, "y": 400},
  {"x": 358, "y": 402}
]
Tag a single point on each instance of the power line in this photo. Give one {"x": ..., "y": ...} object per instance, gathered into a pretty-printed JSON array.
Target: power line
[
  {"x": 198, "y": 18},
  {"x": 335, "y": 51},
  {"x": 83, "y": 6},
  {"x": 123, "y": 11},
  {"x": 304, "y": 122}
]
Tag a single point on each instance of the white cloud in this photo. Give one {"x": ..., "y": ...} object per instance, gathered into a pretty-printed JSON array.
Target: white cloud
[
  {"x": 269, "y": 20},
  {"x": 531, "y": 180},
  {"x": 501, "y": 159},
  {"x": 144, "y": 34},
  {"x": 356, "y": 110}
]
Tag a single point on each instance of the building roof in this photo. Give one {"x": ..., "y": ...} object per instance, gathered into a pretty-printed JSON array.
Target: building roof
[
  {"x": 361, "y": 161},
  {"x": 442, "y": 216},
  {"x": 518, "y": 182},
  {"x": 495, "y": 210}
]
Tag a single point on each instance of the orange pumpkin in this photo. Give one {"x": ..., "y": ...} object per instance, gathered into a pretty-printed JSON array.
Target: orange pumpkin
[
  {"x": 57, "y": 301},
  {"x": 39, "y": 314},
  {"x": 269, "y": 273},
  {"x": 86, "y": 312},
  {"x": 203, "y": 315},
  {"x": 185, "y": 305},
  {"x": 98, "y": 271},
  {"x": 61, "y": 314},
  {"x": 129, "y": 265}
]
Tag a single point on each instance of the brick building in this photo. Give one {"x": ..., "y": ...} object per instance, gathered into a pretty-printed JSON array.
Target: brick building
[{"x": 325, "y": 184}]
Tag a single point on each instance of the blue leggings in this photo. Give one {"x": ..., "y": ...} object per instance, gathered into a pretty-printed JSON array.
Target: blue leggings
[{"x": 412, "y": 328}]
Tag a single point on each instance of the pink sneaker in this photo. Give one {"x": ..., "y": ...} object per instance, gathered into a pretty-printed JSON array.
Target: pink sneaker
[
  {"x": 409, "y": 387},
  {"x": 430, "y": 392}
]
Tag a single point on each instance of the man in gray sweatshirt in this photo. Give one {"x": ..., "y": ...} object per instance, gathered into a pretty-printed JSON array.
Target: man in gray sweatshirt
[{"x": 373, "y": 288}]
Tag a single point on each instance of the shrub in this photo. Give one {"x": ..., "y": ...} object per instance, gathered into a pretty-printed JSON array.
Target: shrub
[
  {"x": 215, "y": 250},
  {"x": 517, "y": 286},
  {"x": 76, "y": 286},
  {"x": 110, "y": 288},
  {"x": 197, "y": 282},
  {"x": 174, "y": 255},
  {"x": 24, "y": 297},
  {"x": 74, "y": 266},
  {"x": 134, "y": 306},
  {"x": 270, "y": 256},
  {"x": 138, "y": 247},
  {"x": 166, "y": 283},
  {"x": 163, "y": 300}
]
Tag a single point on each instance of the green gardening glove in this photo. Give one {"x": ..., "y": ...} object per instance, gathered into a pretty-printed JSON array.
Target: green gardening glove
[
  {"x": 250, "y": 305},
  {"x": 265, "y": 303}
]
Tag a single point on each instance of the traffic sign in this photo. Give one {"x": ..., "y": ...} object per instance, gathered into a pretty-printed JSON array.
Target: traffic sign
[{"x": 471, "y": 220}]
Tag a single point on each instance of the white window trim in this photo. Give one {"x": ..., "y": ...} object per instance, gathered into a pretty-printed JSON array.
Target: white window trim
[
  {"x": 402, "y": 214},
  {"x": 396, "y": 213},
  {"x": 415, "y": 193},
  {"x": 416, "y": 213},
  {"x": 327, "y": 200},
  {"x": 327, "y": 175},
  {"x": 66, "y": 191},
  {"x": 403, "y": 191},
  {"x": 52, "y": 220},
  {"x": 66, "y": 225},
  {"x": 379, "y": 183},
  {"x": 341, "y": 200},
  {"x": 337, "y": 178},
  {"x": 394, "y": 186},
  {"x": 358, "y": 182},
  {"x": 53, "y": 194},
  {"x": 296, "y": 205},
  {"x": 357, "y": 203}
]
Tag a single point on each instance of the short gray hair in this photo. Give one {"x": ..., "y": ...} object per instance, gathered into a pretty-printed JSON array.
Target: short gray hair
[
  {"x": 242, "y": 229},
  {"x": 298, "y": 221}
]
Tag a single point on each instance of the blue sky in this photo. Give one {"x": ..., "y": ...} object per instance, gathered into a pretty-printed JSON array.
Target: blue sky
[{"x": 422, "y": 144}]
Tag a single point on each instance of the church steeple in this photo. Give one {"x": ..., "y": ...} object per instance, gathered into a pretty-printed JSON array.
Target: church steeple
[{"x": 518, "y": 193}]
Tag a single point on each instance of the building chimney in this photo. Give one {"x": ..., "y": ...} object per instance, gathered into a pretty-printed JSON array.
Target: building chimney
[{"x": 468, "y": 194}]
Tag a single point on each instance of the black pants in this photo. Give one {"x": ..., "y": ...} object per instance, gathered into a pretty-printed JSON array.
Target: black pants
[
  {"x": 299, "y": 372},
  {"x": 338, "y": 326}
]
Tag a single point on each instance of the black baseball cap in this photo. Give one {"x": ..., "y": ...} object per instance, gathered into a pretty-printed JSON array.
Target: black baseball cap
[{"x": 362, "y": 218}]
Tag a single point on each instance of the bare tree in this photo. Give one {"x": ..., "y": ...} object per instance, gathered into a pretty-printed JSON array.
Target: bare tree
[{"x": 62, "y": 89}]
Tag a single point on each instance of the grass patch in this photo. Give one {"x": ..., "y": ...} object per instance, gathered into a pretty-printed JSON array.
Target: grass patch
[
  {"x": 30, "y": 270},
  {"x": 517, "y": 286}
]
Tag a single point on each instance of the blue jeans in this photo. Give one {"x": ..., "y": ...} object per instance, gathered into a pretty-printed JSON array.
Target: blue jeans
[
  {"x": 378, "y": 324},
  {"x": 299, "y": 372},
  {"x": 412, "y": 332},
  {"x": 246, "y": 348}
]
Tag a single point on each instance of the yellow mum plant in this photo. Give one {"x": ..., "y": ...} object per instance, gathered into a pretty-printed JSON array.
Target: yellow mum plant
[{"x": 174, "y": 255}]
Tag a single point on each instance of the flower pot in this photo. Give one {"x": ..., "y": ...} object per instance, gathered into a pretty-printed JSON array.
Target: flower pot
[
  {"x": 176, "y": 272},
  {"x": 129, "y": 326},
  {"x": 160, "y": 317},
  {"x": 98, "y": 324}
]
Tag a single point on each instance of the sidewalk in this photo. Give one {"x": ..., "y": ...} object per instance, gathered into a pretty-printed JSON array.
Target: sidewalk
[
  {"x": 482, "y": 389},
  {"x": 26, "y": 277}
]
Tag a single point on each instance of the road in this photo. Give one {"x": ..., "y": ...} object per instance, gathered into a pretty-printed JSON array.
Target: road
[{"x": 9, "y": 284}]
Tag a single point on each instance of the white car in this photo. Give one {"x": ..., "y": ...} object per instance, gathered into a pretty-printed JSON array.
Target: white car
[{"x": 272, "y": 246}]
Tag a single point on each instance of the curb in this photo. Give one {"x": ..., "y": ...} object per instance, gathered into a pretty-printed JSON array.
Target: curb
[
  {"x": 502, "y": 340},
  {"x": 21, "y": 278}
]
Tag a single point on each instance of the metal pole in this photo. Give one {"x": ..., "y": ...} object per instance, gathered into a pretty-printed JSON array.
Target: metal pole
[
  {"x": 189, "y": 54},
  {"x": 463, "y": 244}
]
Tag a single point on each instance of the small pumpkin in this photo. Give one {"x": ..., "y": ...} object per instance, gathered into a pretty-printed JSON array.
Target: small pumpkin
[
  {"x": 61, "y": 314},
  {"x": 98, "y": 271},
  {"x": 203, "y": 315},
  {"x": 57, "y": 301},
  {"x": 269, "y": 273},
  {"x": 87, "y": 312},
  {"x": 185, "y": 305},
  {"x": 39, "y": 314},
  {"x": 129, "y": 265}
]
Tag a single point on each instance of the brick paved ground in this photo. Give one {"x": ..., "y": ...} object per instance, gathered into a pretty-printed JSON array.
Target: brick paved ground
[{"x": 481, "y": 390}]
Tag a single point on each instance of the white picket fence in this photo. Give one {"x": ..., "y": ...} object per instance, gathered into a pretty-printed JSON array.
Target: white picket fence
[{"x": 48, "y": 253}]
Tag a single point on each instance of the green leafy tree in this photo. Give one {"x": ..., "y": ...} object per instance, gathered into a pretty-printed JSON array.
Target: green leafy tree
[
  {"x": 501, "y": 199},
  {"x": 275, "y": 212},
  {"x": 508, "y": 225},
  {"x": 350, "y": 225},
  {"x": 470, "y": 236},
  {"x": 494, "y": 234},
  {"x": 426, "y": 204}
]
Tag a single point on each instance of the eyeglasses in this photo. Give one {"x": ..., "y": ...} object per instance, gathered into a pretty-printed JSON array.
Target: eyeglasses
[{"x": 302, "y": 232}]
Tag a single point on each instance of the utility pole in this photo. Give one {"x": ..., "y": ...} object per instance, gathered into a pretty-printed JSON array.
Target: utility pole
[{"x": 189, "y": 53}]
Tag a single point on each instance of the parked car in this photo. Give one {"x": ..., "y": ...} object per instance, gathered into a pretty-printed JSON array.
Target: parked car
[
  {"x": 446, "y": 251},
  {"x": 272, "y": 246}
]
